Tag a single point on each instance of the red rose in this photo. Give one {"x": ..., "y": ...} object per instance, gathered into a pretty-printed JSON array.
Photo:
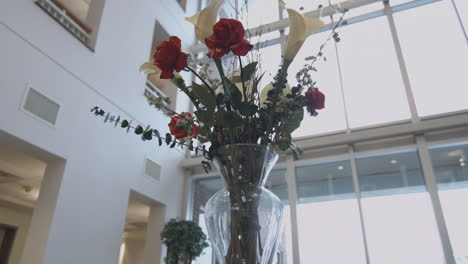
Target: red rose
[
  {"x": 169, "y": 58},
  {"x": 228, "y": 34},
  {"x": 181, "y": 127},
  {"x": 315, "y": 100}
]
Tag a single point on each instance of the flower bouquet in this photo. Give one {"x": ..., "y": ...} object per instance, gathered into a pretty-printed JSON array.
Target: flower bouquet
[{"x": 236, "y": 124}]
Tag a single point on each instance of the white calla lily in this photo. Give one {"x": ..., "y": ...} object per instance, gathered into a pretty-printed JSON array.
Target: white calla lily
[
  {"x": 153, "y": 73},
  {"x": 149, "y": 68},
  {"x": 205, "y": 20},
  {"x": 300, "y": 28},
  {"x": 269, "y": 87}
]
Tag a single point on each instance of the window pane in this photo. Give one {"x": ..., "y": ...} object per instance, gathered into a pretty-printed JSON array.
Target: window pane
[
  {"x": 325, "y": 199},
  {"x": 452, "y": 176},
  {"x": 78, "y": 8},
  {"x": 277, "y": 184},
  {"x": 364, "y": 9},
  {"x": 305, "y": 6},
  {"x": 332, "y": 118},
  {"x": 374, "y": 91},
  {"x": 462, "y": 7},
  {"x": 270, "y": 60},
  {"x": 203, "y": 189},
  {"x": 258, "y": 12},
  {"x": 436, "y": 57},
  {"x": 398, "y": 216}
]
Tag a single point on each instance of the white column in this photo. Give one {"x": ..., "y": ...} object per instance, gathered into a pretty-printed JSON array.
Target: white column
[
  {"x": 153, "y": 247},
  {"x": 36, "y": 242}
]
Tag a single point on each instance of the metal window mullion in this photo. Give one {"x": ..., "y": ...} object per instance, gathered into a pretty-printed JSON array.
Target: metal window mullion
[
  {"x": 460, "y": 20},
  {"x": 340, "y": 75},
  {"x": 431, "y": 185},
  {"x": 357, "y": 192},
  {"x": 292, "y": 196},
  {"x": 401, "y": 61}
]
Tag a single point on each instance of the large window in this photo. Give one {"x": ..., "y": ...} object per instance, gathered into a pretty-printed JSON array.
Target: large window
[
  {"x": 372, "y": 204},
  {"x": 451, "y": 170},
  {"x": 389, "y": 219},
  {"x": 436, "y": 62},
  {"x": 325, "y": 198},
  {"x": 373, "y": 86},
  {"x": 333, "y": 117},
  {"x": 80, "y": 17},
  {"x": 397, "y": 210}
]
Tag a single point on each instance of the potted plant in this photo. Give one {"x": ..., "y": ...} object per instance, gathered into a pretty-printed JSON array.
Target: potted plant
[{"x": 184, "y": 240}]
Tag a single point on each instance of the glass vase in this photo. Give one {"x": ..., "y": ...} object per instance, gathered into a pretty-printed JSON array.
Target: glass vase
[{"x": 244, "y": 219}]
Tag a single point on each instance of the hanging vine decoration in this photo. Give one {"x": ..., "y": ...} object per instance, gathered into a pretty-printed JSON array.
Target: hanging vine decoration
[{"x": 149, "y": 133}]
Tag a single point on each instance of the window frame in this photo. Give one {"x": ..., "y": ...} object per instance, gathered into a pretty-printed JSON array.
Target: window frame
[{"x": 85, "y": 31}]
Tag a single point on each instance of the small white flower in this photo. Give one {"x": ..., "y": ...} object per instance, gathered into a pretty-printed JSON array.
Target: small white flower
[{"x": 205, "y": 20}]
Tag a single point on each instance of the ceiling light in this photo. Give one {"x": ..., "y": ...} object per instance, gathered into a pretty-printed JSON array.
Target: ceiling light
[
  {"x": 463, "y": 164},
  {"x": 455, "y": 153},
  {"x": 393, "y": 162},
  {"x": 340, "y": 167}
]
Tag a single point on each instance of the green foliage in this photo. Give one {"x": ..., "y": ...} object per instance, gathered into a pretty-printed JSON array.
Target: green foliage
[
  {"x": 203, "y": 95},
  {"x": 249, "y": 70},
  {"x": 184, "y": 240},
  {"x": 230, "y": 109},
  {"x": 294, "y": 122}
]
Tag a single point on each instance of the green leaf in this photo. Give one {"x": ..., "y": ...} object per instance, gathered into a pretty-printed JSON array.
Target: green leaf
[
  {"x": 236, "y": 97},
  {"x": 247, "y": 109},
  {"x": 124, "y": 124},
  {"x": 219, "y": 117},
  {"x": 231, "y": 119},
  {"x": 228, "y": 119},
  {"x": 284, "y": 142},
  {"x": 206, "y": 166},
  {"x": 168, "y": 138},
  {"x": 205, "y": 117},
  {"x": 156, "y": 133},
  {"x": 203, "y": 95},
  {"x": 139, "y": 130},
  {"x": 297, "y": 151},
  {"x": 256, "y": 82},
  {"x": 249, "y": 70},
  {"x": 294, "y": 121},
  {"x": 220, "y": 99},
  {"x": 148, "y": 135}
]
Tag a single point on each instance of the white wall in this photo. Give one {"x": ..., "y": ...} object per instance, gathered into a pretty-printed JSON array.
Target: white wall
[
  {"x": 19, "y": 218},
  {"x": 102, "y": 163}
]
